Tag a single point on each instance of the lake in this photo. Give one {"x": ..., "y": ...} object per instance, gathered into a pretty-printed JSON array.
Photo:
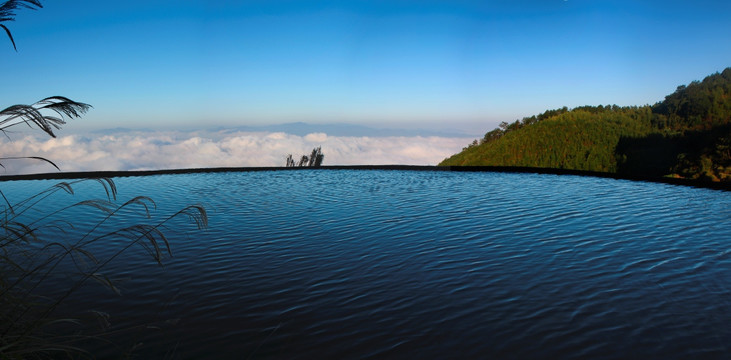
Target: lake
[{"x": 420, "y": 264}]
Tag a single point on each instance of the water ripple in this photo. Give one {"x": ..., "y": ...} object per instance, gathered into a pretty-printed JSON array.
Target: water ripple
[{"x": 389, "y": 264}]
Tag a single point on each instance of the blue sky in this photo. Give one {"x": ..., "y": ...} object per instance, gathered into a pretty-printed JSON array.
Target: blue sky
[{"x": 466, "y": 65}]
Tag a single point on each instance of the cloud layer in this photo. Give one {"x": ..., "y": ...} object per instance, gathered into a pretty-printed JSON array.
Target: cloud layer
[{"x": 172, "y": 150}]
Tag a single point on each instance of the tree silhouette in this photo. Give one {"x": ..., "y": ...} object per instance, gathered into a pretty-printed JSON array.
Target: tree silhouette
[{"x": 314, "y": 160}]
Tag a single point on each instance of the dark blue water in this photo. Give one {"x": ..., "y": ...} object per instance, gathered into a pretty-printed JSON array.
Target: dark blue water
[{"x": 394, "y": 264}]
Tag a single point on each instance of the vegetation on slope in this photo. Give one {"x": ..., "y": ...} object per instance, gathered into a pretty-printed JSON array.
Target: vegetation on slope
[{"x": 686, "y": 135}]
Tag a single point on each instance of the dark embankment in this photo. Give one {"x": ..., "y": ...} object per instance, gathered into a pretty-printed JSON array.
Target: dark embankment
[
  {"x": 506, "y": 169},
  {"x": 687, "y": 135},
  {"x": 112, "y": 174}
]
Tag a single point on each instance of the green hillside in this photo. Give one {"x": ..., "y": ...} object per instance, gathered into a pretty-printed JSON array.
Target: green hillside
[{"x": 686, "y": 135}]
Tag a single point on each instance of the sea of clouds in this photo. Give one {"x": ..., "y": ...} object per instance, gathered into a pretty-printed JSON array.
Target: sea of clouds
[{"x": 137, "y": 150}]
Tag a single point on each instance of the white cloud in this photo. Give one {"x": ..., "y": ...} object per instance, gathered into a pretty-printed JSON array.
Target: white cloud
[
  {"x": 316, "y": 137},
  {"x": 172, "y": 150}
]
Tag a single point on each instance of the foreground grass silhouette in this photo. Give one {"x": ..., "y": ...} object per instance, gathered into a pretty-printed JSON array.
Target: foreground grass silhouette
[{"x": 40, "y": 246}]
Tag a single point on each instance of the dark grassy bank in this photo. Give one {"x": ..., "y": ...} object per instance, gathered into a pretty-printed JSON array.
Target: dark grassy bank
[{"x": 503, "y": 169}]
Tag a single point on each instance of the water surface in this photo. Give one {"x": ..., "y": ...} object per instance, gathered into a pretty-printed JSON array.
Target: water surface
[{"x": 394, "y": 264}]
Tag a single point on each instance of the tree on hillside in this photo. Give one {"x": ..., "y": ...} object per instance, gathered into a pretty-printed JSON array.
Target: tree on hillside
[
  {"x": 686, "y": 135},
  {"x": 700, "y": 105}
]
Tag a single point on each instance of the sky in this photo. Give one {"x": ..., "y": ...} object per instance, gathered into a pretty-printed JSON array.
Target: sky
[{"x": 456, "y": 66}]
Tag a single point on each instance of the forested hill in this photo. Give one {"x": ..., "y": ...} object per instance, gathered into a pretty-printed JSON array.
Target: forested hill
[{"x": 686, "y": 135}]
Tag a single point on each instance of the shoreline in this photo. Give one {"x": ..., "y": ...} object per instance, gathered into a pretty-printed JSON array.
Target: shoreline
[{"x": 725, "y": 186}]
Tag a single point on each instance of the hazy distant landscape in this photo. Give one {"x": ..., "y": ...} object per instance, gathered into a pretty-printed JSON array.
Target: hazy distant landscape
[{"x": 128, "y": 149}]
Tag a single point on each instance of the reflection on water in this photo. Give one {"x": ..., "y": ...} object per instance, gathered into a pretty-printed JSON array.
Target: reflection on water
[{"x": 390, "y": 264}]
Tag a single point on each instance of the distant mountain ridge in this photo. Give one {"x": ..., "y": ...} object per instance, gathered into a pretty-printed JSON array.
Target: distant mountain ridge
[
  {"x": 302, "y": 129},
  {"x": 686, "y": 135}
]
